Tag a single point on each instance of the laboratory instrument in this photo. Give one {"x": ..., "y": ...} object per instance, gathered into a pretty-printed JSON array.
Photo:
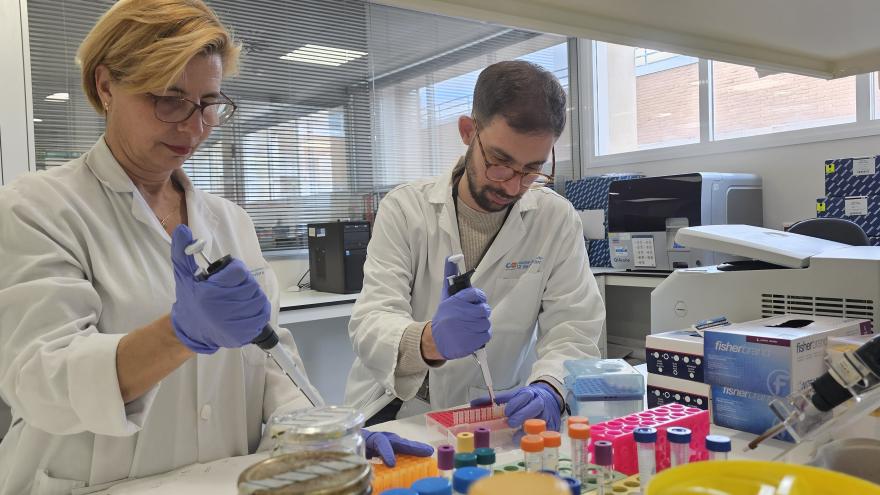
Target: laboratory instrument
[
  {"x": 267, "y": 340},
  {"x": 603, "y": 456},
  {"x": 532, "y": 447},
  {"x": 646, "y": 444},
  {"x": 718, "y": 446},
  {"x": 457, "y": 283},
  {"x": 679, "y": 439},
  {"x": 552, "y": 442}
]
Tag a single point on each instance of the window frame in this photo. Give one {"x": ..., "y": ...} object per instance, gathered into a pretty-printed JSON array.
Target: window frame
[{"x": 867, "y": 122}]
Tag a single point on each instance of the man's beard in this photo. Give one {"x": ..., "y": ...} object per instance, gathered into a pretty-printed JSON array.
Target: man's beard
[{"x": 481, "y": 196}]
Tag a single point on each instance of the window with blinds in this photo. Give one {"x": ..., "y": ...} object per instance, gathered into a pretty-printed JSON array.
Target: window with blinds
[{"x": 338, "y": 102}]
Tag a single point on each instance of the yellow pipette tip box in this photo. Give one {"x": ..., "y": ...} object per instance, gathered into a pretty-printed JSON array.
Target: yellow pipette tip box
[{"x": 408, "y": 470}]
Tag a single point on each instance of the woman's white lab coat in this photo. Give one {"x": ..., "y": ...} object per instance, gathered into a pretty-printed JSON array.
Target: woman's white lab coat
[
  {"x": 85, "y": 261},
  {"x": 536, "y": 271}
]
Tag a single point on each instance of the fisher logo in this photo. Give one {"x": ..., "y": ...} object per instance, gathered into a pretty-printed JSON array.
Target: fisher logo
[
  {"x": 777, "y": 382},
  {"x": 741, "y": 349},
  {"x": 523, "y": 264},
  {"x": 811, "y": 345}
]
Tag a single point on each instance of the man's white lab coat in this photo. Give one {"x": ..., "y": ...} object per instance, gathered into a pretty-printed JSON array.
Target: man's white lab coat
[
  {"x": 83, "y": 261},
  {"x": 535, "y": 271}
]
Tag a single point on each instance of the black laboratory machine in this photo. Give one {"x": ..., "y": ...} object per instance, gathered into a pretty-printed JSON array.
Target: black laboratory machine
[
  {"x": 645, "y": 214},
  {"x": 337, "y": 251}
]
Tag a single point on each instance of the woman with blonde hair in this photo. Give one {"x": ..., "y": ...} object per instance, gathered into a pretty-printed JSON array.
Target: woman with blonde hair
[{"x": 116, "y": 360}]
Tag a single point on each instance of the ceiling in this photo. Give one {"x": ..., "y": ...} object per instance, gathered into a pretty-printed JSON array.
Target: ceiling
[{"x": 818, "y": 38}]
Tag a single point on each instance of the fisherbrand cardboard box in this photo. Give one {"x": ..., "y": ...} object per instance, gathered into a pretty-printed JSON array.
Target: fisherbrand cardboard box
[{"x": 750, "y": 364}]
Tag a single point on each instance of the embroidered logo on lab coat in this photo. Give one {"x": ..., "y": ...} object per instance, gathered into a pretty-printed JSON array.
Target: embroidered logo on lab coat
[{"x": 523, "y": 264}]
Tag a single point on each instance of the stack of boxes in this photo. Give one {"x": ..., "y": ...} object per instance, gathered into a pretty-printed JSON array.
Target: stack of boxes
[
  {"x": 852, "y": 192},
  {"x": 591, "y": 193}
]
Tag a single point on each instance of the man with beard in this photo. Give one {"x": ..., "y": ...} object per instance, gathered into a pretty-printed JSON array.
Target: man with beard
[{"x": 534, "y": 302}]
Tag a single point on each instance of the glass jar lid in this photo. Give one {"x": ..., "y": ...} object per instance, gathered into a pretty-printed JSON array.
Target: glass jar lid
[
  {"x": 319, "y": 424},
  {"x": 312, "y": 473}
]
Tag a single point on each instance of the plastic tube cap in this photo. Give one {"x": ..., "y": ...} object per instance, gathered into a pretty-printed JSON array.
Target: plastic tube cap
[
  {"x": 573, "y": 484},
  {"x": 552, "y": 438},
  {"x": 445, "y": 457},
  {"x": 577, "y": 420},
  {"x": 602, "y": 453},
  {"x": 645, "y": 434},
  {"x": 465, "y": 442},
  {"x": 467, "y": 476},
  {"x": 433, "y": 486},
  {"x": 532, "y": 443},
  {"x": 678, "y": 434},
  {"x": 481, "y": 437},
  {"x": 717, "y": 443},
  {"x": 485, "y": 456},
  {"x": 534, "y": 426},
  {"x": 579, "y": 431},
  {"x": 520, "y": 484},
  {"x": 465, "y": 459},
  {"x": 400, "y": 491}
]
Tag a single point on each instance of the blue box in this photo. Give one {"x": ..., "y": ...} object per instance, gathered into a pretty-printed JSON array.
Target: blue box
[
  {"x": 591, "y": 193},
  {"x": 874, "y": 241},
  {"x": 862, "y": 210},
  {"x": 597, "y": 251},
  {"x": 603, "y": 389},
  {"x": 852, "y": 177},
  {"x": 744, "y": 410}
]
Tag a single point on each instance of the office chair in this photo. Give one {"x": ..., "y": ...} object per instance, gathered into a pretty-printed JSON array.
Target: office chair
[{"x": 831, "y": 229}]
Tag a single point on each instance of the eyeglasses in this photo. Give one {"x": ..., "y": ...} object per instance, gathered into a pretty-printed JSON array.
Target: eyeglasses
[
  {"x": 175, "y": 109},
  {"x": 503, "y": 173}
]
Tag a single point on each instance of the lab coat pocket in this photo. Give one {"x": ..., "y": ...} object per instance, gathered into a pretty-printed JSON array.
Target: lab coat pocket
[{"x": 47, "y": 485}]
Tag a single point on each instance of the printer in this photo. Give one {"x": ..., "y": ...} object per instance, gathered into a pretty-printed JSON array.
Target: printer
[
  {"x": 783, "y": 273},
  {"x": 645, "y": 214}
]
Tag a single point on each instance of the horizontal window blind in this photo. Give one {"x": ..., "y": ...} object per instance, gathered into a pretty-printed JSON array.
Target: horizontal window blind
[{"x": 338, "y": 101}]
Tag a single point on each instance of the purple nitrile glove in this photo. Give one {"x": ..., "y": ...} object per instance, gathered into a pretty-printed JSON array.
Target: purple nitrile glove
[
  {"x": 385, "y": 445},
  {"x": 461, "y": 323},
  {"x": 229, "y": 309},
  {"x": 538, "y": 400}
]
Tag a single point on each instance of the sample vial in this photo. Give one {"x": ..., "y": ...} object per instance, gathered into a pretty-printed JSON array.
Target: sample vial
[
  {"x": 603, "y": 456},
  {"x": 445, "y": 461},
  {"x": 718, "y": 447},
  {"x": 486, "y": 458},
  {"x": 579, "y": 436},
  {"x": 552, "y": 442},
  {"x": 577, "y": 420},
  {"x": 464, "y": 442},
  {"x": 482, "y": 436},
  {"x": 467, "y": 476},
  {"x": 534, "y": 426},
  {"x": 646, "y": 443},
  {"x": 465, "y": 459},
  {"x": 533, "y": 452},
  {"x": 679, "y": 445},
  {"x": 433, "y": 486}
]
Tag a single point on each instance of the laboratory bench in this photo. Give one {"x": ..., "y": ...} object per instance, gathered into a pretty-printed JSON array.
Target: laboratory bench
[{"x": 220, "y": 477}]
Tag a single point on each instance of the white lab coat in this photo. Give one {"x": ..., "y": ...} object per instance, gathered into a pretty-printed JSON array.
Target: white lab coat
[
  {"x": 85, "y": 261},
  {"x": 536, "y": 271}
]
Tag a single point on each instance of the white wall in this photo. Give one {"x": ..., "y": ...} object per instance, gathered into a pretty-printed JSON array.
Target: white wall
[
  {"x": 793, "y": 175},
  {"x": 16, "y": 126}
]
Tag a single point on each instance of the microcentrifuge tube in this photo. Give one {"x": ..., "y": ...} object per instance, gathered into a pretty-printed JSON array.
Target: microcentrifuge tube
[
  {"x": 679, "y": 445},
  {"x": 646, "y": 443}
]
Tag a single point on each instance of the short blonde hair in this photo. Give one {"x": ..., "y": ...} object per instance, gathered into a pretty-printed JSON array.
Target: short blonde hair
[{"x": 146, "y": 44}]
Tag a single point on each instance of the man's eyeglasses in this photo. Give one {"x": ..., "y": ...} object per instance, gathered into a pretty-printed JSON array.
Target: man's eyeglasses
[
  {"x": 503, "y": 173},
  {"x": 174, "y": 109}
]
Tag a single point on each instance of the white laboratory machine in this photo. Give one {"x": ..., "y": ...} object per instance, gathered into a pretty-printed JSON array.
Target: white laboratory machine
[
  {"x": 784, "y": 273},
  {"x": 645, "y": 214}
]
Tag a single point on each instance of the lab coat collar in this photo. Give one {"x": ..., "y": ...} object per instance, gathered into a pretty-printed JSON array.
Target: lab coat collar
[{"x": 105, "y": 167}]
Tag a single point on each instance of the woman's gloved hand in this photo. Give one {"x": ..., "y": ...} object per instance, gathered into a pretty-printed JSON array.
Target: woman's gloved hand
[
  {"x": 385, "y": 445},
  {"x": 229, "y": 309},
  {"x": 461, "y": 323}
]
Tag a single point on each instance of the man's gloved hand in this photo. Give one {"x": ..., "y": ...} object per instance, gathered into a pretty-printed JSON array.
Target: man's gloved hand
[
  {"x": 229, "y": 309},
  {"x": 385, "y": 445},
  {"x": 538, "y": 400},
  {"x": 461, "y": 323}
]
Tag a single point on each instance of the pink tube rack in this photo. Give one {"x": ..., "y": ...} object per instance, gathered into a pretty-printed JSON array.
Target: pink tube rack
[{"x": 619, "y": 433}]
